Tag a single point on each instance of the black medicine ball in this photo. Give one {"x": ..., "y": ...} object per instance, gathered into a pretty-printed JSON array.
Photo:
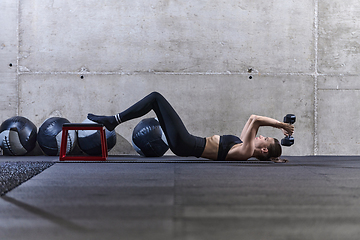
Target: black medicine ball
[
  {"x": 89, "y": 141},
  {"x": 148, "y": 138},
  {"x": 50, "y": 135},
  {"x": 17, "y": 136}
]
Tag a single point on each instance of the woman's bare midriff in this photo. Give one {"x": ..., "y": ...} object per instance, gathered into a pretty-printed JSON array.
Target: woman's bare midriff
[{"x": 212, "y": 148}]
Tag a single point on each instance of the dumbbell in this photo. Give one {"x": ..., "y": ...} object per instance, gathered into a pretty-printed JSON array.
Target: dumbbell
[{"x": 288, "y": 140}]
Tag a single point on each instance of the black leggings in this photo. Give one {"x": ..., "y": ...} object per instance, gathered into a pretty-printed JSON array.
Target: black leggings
[{"x": 180, "y": 141}]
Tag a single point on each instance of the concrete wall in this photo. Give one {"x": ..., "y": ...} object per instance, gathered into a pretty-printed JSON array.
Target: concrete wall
[{"x": 216, "y": 61}]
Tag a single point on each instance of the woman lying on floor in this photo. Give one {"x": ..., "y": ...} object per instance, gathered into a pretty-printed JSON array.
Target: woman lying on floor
[{"x": 182, "y": 143}]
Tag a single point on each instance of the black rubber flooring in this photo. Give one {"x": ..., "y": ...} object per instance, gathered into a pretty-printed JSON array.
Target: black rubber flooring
[{"x": 128, "y": 197}]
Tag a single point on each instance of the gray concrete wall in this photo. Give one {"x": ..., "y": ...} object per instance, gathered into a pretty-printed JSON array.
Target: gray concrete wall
[{"x": 216, "y": 62}]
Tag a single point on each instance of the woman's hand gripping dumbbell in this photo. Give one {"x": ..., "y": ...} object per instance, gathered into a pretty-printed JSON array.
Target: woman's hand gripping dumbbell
[{"x": 288, "y": 140}]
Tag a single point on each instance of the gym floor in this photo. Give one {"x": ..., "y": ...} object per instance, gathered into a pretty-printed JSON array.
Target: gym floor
[{"x": 129, "y": 197}]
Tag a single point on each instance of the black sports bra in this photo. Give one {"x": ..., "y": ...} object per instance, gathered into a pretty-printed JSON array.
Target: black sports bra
[{"x": 226, "y": 143}]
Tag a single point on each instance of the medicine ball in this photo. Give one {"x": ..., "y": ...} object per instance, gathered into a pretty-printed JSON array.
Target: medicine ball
[
  {"x": 50, "y": 135},
  {"x": 90, "y": 143},
  {"x": 17, "y": 136},
  {"x": 148, "y": 138}
]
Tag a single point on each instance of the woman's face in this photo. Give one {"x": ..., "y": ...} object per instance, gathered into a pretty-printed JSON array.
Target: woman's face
[{"x": 263, "y": 142}]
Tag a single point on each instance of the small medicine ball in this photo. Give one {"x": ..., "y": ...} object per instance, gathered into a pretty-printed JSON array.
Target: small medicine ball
[
  {"x": 148, "y": 138},
  {"x": 50, "y": 135},
  {"x": 17, "y": 136},
  {"x": 89, "y": 141}
]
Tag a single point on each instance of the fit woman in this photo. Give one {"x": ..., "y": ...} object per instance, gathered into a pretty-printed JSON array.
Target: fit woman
[{"x": 182, "y": 143}]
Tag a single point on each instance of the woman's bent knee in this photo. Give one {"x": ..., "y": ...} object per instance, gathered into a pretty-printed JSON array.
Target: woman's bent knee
[{"x": 156, "y": 95}]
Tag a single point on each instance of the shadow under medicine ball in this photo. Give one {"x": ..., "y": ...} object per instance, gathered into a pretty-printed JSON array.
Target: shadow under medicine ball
[
  {"x": 89, "y": 141},
  {"x": 17, "y": 136},
  {"x": 148, "y": 138},
  {"x": 50, "y": 135}
]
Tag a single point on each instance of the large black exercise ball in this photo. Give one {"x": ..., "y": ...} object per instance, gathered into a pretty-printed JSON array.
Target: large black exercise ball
[
  {"x": 17, "y": 136},
  {"x": 148, "y": 138},
  {"x": 89, "y": 141},
  {"x": 50, "y": 135}
]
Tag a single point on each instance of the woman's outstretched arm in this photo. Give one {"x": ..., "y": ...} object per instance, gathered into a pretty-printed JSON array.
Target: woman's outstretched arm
[
  {"x": 250, "y": 130},
  {"x": 266, "y": 121}
]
